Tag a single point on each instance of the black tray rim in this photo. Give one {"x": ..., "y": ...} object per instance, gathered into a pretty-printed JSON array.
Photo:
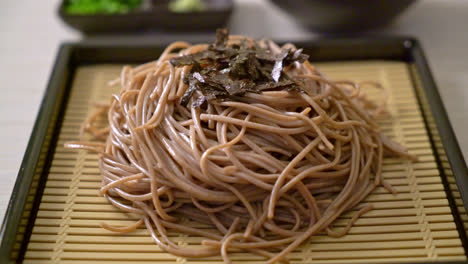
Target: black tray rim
[{"x": 71, "y": 55}]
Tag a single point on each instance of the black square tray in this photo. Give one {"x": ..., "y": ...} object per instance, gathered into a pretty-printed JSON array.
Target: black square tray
[{"x": 42, "y": 143}]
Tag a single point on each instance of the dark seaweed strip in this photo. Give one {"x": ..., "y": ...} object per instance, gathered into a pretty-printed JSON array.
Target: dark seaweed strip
[{"x": 223, "y": 71}]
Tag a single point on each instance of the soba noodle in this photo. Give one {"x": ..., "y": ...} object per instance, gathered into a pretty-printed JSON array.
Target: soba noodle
[{"x": 261, "y": 172}]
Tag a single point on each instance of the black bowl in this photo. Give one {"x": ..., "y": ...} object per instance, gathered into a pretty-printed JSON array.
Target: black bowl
[{"x": 335, "y": 16}]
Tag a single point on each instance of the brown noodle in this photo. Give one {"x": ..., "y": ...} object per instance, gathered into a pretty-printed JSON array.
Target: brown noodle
[{"x": 261, "y": 173}]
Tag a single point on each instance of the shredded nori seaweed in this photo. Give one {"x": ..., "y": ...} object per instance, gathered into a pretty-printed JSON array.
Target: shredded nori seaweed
[{"x": 223, "y": 71}]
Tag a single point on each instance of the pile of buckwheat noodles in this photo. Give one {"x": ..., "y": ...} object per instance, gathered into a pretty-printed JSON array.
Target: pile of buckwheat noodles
[{"x": 259, "y": 172}]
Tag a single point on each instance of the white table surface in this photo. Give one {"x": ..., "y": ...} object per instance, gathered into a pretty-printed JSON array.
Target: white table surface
[{"x": 30, "y": 34}]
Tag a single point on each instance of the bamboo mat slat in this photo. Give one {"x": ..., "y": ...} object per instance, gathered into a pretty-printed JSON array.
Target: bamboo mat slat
[{"x": 414, "y": 225}]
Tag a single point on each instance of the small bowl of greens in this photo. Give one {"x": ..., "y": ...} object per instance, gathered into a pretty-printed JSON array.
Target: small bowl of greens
[{"x": 117, "y": 16}]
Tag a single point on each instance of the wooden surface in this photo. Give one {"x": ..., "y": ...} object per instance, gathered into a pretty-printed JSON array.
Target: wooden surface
[
  {"x": 30, "y": 34},
  {"x": 416, "y": 224}
]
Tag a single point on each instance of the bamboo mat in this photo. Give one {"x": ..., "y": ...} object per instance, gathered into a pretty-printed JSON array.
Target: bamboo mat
[
  {"x": 414, "y": 225},
  {"x": 440, "y": 152}
]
